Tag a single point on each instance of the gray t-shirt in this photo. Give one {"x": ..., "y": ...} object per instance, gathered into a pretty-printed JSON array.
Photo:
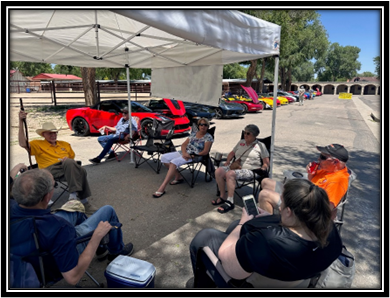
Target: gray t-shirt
[{"x": 252, "y": 159}]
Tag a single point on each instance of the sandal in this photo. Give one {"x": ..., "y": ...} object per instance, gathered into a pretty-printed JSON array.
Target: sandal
[
  {"x": 158, "y": 194},
  {"x": 221, "y": 201},
  {"x": 226, "y": 207},
  {"x": 174, "y": 182}
]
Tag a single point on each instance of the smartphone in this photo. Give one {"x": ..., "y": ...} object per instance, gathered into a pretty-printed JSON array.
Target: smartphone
[{"x": 250, "y": 205}]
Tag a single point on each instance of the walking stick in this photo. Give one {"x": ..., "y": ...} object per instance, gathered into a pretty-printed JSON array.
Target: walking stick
[{"x": 26, "y": 131}]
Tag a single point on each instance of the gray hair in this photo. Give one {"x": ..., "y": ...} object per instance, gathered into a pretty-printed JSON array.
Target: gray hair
[
  {"x": 253, "y": 129},
  {"x": 30, "y": 187}
]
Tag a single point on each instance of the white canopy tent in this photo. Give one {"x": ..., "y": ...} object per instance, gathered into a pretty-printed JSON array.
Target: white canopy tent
[{"x": 180, "y": 46}]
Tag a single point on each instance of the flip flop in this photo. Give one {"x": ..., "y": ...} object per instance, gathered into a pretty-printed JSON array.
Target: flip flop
[
  {"x": 174, "y": 182},
  {"x": 158, "y": 194}
]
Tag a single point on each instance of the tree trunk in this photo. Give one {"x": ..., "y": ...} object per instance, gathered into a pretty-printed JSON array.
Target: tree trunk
[
  {"x": 250, "y": 73},
  {"x": 288, "y": 85},
  {"x": 88, "y": 75},
  {"x": 261, "y": 87}
]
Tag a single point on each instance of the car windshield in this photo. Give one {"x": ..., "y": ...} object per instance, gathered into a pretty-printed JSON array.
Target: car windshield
[{"x": 135, "y": 106}]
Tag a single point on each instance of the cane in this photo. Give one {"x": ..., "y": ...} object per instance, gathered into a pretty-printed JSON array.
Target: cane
[{"x": 25, "y": 129}]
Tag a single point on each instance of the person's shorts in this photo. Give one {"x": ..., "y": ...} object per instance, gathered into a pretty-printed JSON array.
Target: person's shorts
[
  {"x": 243, "y": 174},
  {"x": 174, "y": 157}
]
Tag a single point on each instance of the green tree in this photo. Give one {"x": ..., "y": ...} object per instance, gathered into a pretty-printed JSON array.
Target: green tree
[
  {"x": 31, "y": 69},
  {"x": 377, "y": 61},
  {"x": 303, "y": 38},
  {"x": 234, "y": 71},
  {"x": 67, "y": 69},
  {"x": 366, "y": 74},
  {"x": 304, "y": 73},
  {"x": 339, "y": 62}
]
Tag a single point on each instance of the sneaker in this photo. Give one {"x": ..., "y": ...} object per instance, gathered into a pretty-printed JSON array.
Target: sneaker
[
  {"x": 101, "y": 253},
  {"x": 95, "y": 160},
  {"x": 112, "y": 156},
  {"x": 89, "y": 208},
  {"x": 126, "y": 251}
]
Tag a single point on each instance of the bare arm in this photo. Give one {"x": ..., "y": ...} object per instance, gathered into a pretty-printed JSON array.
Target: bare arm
[
  {"x": 229, "y": 158},
  {"x": 206, "y": 148},
  {"x": 265, "y": 165},
  {"x": 22, "y": 135},
  {"x": 74, "y": 275},
  {"x": 227, "y": 251},
  {"x": 16, "y": 169}
]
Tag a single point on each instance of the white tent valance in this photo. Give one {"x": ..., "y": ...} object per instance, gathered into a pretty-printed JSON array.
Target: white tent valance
[{"x": 139, "y": 38}]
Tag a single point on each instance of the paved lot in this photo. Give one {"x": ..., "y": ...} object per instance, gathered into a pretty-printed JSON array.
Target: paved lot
[{"x": 161, "y": 229}]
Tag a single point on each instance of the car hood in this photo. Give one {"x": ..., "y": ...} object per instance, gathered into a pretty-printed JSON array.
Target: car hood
[{"x": 175, "y": 106}]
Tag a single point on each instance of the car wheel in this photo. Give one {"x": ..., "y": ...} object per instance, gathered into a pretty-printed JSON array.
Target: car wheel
[
  {"x": 145, "y": 124},
  {"x": 218, "y": 113},
  {"x": 245, "y": 108},
  {"x": 80, "y": 126}
]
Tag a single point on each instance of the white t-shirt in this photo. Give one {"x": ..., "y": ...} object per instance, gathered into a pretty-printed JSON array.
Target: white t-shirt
[{"x": 252, "y": 159}]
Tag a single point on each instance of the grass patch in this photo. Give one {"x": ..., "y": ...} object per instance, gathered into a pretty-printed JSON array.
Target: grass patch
[{"x": 59, "y": 109}]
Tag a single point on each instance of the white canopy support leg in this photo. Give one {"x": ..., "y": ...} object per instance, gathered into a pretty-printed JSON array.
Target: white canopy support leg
[
  {"x": 276, "y": 74},
  {"x": 129, "y": 104}
]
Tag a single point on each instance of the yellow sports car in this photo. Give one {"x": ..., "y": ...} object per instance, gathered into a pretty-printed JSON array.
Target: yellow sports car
[
  {"x": 283, "y": 100},
  {"x": 269, "y": 102}
]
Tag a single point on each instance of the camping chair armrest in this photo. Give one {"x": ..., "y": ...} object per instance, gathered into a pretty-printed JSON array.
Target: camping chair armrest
[
  {"x": 217, "y": 263},
  {"x": 261, "y": 172}
]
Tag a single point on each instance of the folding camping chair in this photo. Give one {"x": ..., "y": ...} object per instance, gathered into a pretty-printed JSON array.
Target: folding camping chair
[
  {"x": 126, "y": 145},
  {"x": 206, "y": 259},
  {"x": 197, "y": 162},
  {"x": 159, "y": 142},
  {"x": 258, "y": 174},
  {"x": 341, "y": 206},
  {"x": 26, "y": 249},
  {"x": 60, "y": 183}
]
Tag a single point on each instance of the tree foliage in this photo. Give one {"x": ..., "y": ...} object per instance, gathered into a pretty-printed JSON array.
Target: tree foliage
[
  {"x": 31, "y": 69},
  {"x": 303, "y": 73},
  {"x": 339, "y": 62},
  {"x": 377, "y": 61},
  {"x": 234, "y": 71}
]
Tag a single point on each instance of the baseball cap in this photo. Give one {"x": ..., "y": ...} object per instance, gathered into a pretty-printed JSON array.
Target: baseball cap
[{"x": 335, "y": 150}]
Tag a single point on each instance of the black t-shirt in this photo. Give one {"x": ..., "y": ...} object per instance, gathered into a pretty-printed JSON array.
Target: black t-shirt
[{"x": 276, "y": 252}]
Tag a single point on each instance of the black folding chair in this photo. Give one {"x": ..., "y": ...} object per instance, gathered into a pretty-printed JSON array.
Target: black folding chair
[
  {"x": 60, "y": 183},
  {"x": 341, "y": 206},
  {"x": 156, "y": 144},
  {"x": 27, "y": 247},
  {"x": 197, "y": 162},
  {"x": 258, "y": 174}
]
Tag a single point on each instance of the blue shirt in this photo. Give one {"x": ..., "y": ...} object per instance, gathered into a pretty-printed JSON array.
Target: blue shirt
[
  {"x": 197, "y": 145},
  {"x": 56, "y": 235},
  {"x": 123, "y": 126}
]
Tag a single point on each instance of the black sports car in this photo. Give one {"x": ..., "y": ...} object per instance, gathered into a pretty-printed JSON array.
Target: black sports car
[{"x": 196, "y": 111}]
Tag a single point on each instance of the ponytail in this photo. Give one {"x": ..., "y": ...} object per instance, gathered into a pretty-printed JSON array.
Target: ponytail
[{"x": 310, "y": 205}]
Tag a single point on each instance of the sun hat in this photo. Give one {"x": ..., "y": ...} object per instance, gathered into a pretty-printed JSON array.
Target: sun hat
[
  {"x": 72, "y": 206},
  {"x": 47, "y": 126},
  {"x": 335, "y": 150}
]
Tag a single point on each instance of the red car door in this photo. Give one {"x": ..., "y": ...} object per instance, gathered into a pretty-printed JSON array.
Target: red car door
[{"x": 107, "y": 114}]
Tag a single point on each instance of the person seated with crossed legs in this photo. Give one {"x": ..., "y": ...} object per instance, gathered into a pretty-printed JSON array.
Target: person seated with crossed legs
[{"x": 121, "y": 132}]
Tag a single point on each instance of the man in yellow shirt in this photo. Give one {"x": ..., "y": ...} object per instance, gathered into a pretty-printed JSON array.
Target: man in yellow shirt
[{"x": 58, "y": 158}]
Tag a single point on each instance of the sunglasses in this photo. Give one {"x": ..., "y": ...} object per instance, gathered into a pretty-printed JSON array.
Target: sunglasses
[
  {"x": 247, "y": 133},
  {"x": 203, "y": 124},
  {"x": 323, "y": 157},
  {"x": 125, "y": 113}
]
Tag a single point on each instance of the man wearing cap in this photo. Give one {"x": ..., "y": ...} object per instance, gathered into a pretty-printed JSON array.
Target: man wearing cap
[
  {"x": 331, "y": 175},
  {"x": 121, "y": 132},
  {"x": 301, "y": 95},
  {"x": 58, "y": 158}
]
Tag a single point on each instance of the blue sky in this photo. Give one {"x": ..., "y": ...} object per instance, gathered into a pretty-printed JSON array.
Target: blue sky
[{"x": 360, "y": 28}]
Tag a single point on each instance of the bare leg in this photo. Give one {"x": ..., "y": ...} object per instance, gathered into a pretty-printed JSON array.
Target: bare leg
[
  {"x": 231, "y": 182},
  {"x": 172, "y": 172},
  {"x": 268, "y": 183},
  {"x": 220, "y": 175},
  {"x": 268, "y": 200}
]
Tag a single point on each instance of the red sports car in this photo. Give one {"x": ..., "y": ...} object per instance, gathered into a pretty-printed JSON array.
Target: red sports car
[
  {"x": 247, "y": 103},
  {"x": 86, "y": 120}
]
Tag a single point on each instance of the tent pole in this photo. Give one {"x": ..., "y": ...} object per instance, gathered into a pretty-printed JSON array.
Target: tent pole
[
  {"x": 276, "y": 74},
  {"x": 129, "y": 105}
]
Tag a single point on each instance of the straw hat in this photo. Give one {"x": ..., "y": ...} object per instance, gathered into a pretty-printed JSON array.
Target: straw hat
[{"x": 47, "y": 126}]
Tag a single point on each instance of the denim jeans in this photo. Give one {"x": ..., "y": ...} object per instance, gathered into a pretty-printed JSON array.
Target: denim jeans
[
  {"x": 106, "y": 142},
  {"x": 84, "y": 225}
]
